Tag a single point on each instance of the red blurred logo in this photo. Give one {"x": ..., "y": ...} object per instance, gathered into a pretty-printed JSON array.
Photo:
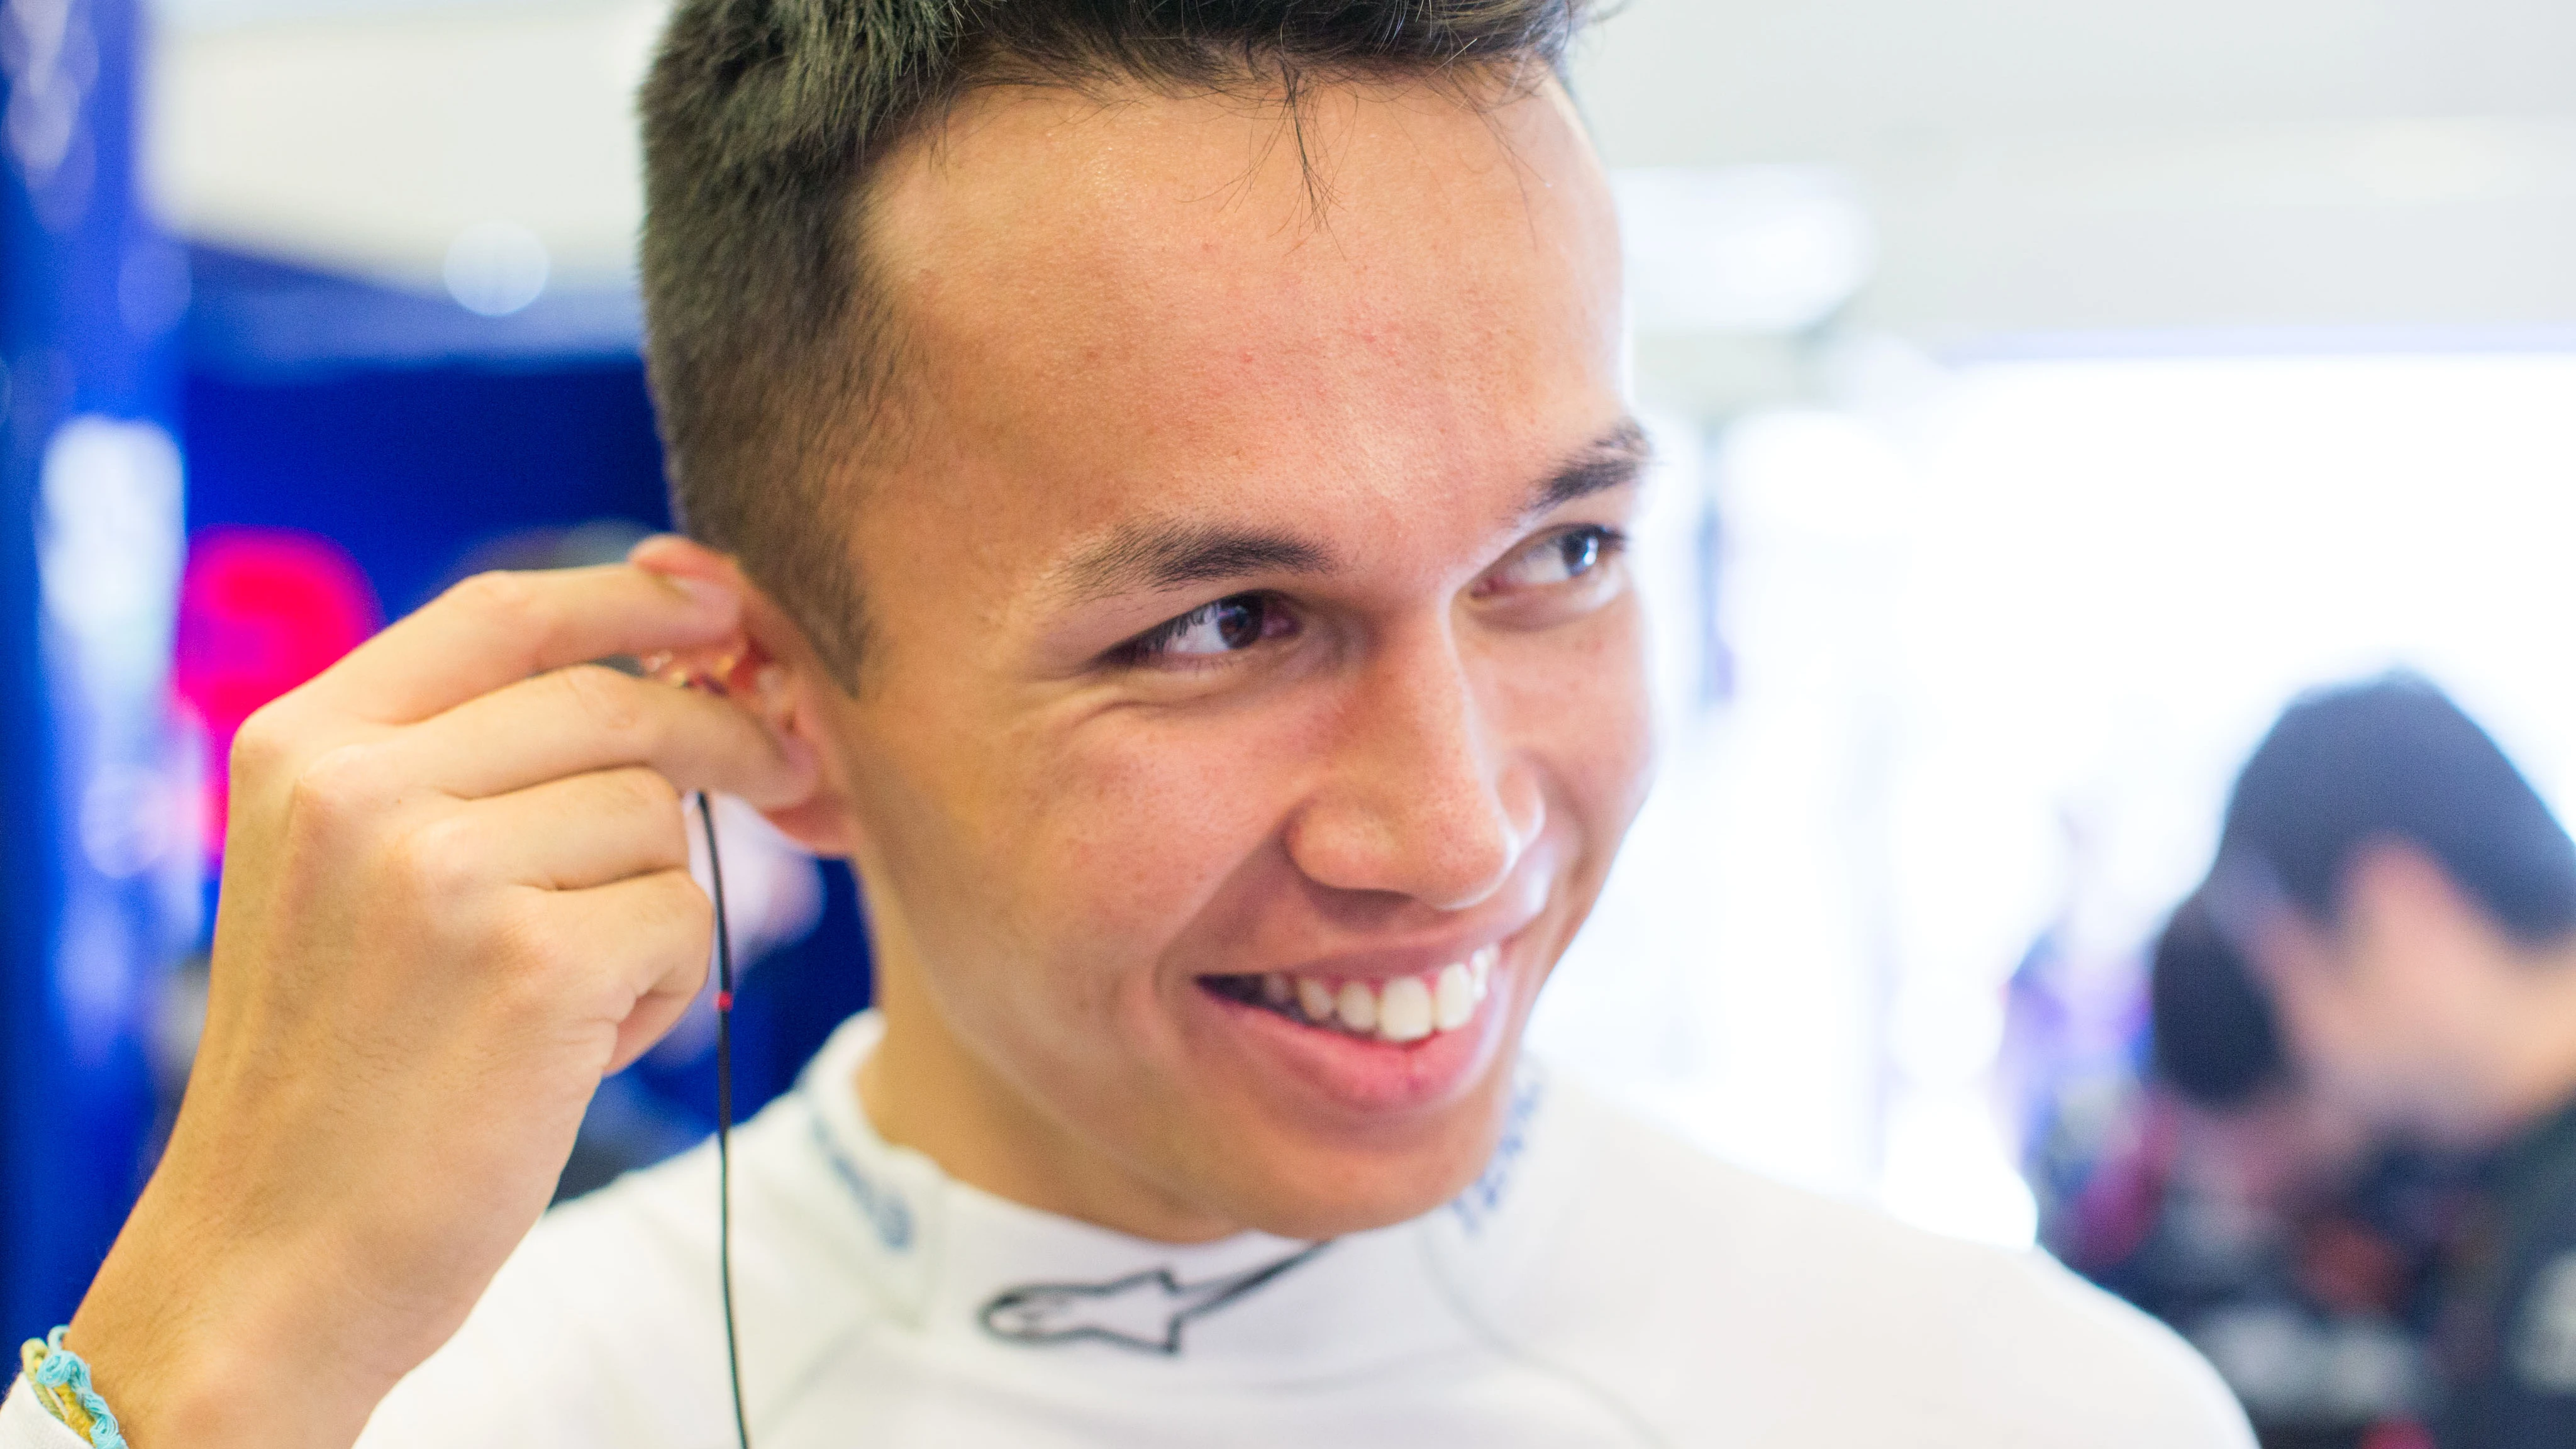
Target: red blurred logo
[{"x": 261, "y": 610}]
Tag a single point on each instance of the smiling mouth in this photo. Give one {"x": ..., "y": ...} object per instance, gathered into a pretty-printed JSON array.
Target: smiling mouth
[{"x": 1400, "y": 1009}]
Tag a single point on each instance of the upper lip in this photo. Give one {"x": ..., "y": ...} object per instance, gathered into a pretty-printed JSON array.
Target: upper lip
[{"x": 1386, "y": 963}]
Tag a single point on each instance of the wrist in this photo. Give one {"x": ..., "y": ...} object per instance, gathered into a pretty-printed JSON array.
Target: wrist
[
  {"x": 187, "y": 1352},
  {"x": 167, "y": 1386}
]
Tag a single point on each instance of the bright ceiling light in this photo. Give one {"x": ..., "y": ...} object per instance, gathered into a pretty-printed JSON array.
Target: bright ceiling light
[{"x": 496, "y": 268}]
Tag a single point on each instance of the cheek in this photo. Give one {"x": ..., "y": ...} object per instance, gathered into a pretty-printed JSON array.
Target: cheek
[
  {"x": 2312, "y": 1019},
  {"x": 1043, "y": 877},
  {"x": 1578, "y": 710},
  {"x": 2343, "y": 1031},
  {"x": 2354, "y": 1030},
  {"x": 1128, "y": 828},
  {"x": 2348, "y": 1017}
]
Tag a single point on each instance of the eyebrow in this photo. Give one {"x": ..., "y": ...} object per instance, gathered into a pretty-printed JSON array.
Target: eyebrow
[
  {"x": 1156, "y": 557},
  {"x": 1152, "y": 557},
  {"x": 1610, "y": 461}
]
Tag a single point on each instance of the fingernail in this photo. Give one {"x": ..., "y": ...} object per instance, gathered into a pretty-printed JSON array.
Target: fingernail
[
  {"x": 705, "y": 593},
  {"x": 648, "y": 542}
]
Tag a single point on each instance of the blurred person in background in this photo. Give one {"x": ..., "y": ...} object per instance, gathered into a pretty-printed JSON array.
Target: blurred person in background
[
  {"x": 1157, "y": 477},
  {"x": 2274, "y": 1229},
  {"x": 2406, "y": 904}
]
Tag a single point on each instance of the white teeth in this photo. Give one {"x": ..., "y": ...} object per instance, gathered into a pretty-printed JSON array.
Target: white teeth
[
  {"x": 1315, "y": 998},
  {"x": 1457, "y": 996},
  {"x": 1357, "y": 1006},
  {"x": 1404, "y": 1009}
]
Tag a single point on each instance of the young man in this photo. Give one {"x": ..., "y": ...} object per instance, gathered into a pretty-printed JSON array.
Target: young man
[
  {"x": 1157, "y": 475},
  {"x": 2408, "y": 904},
  {"x": 2261, "y": 1222}
]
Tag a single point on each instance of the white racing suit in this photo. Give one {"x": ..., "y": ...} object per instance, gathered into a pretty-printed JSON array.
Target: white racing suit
[{"x": 1600, "y": 1285}]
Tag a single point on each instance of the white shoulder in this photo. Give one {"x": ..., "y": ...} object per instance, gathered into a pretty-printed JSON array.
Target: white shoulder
[
  {"x": 1710, "y": 1295},
  {"x": 589, "y": 1314},
  {"x": 606, "y": 1327}
]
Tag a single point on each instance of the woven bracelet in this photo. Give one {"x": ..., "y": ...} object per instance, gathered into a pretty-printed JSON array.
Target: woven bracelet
[{"x": 61, "y": 1383}]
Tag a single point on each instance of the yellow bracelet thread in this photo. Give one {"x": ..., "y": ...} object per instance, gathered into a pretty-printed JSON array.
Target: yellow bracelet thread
[{"x": 61, "y": 1405}]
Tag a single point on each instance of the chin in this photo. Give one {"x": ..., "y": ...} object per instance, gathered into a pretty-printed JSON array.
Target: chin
[
  {"x": 1291, "y": 1184},
  {"x": 1310, "y": 1122}
]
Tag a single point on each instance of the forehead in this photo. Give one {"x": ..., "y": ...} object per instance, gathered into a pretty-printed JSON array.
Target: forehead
[{"x": 1109, "y": 303}]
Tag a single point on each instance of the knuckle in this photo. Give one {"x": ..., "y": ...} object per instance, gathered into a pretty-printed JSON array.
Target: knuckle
[
  {"x": 611, "y": 702},
  {"x": 436, "y": 861},
  {"x": 499, "y": 595},
  {"x": 528, "y": 986},
  {"x": 647, "y": 790},
  {"x": 335, "y": 787},
  {"x": 263, "y": 745},
  {"x": 690, "y": 917},
  {"x": 531, "y": 951},
  {"x": 516, "y": 610},
  {"x": 685, "y": 904},
  {"x": 672, "y": 916},
  {"x": 646, "y": 803}
]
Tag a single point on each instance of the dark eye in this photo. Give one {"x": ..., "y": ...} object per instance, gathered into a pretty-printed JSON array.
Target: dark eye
[
  {"x": 1228, "y": 626},
  {"x": 1556, "y": 559}
]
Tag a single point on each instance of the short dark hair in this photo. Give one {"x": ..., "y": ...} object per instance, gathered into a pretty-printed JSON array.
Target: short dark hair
[
  {"x": 764, "y": 120},
  {"x": 2394, "y": 759},
  {"x": 2215, "y": 1041}
]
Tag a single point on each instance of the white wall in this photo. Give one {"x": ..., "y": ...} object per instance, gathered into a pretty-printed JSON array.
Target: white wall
[
  {"x": 2044, "y": 165},
  {"x": 2032, "y": 165},
  {"x": 365, "y": 135}
]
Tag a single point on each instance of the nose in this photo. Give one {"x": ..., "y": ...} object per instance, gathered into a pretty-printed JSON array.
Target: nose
[{"x": 1422, "y": 797}]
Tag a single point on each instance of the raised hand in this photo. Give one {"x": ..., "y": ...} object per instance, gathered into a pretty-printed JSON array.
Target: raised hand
[{"x": 455, "y": 896}]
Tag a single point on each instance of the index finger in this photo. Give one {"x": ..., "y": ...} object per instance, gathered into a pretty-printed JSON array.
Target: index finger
[
  {"x": 499, "y": 628},
  {"x": 575, "y": 721}
]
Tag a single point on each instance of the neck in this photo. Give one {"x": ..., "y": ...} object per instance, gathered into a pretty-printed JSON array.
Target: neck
[{"x": 925, "y": 1089}]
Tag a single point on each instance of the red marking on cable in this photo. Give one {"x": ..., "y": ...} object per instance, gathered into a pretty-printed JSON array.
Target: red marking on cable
[{"x": 724, "y": 1001}]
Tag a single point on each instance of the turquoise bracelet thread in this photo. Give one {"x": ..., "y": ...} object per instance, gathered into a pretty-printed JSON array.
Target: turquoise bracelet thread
[{"x": 66, "y": 1376}]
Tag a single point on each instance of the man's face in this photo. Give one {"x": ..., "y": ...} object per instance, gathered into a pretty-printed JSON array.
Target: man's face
[
  {"x": 2386, "y": 1008},
  {"x": 1250, "y": 643}
]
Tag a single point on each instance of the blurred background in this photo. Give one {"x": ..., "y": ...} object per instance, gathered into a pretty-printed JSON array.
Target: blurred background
[{"x": 2047, "y": 393}]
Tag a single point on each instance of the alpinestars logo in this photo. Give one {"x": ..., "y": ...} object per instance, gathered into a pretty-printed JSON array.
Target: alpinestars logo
[{"x": 1142, "y": 1311}]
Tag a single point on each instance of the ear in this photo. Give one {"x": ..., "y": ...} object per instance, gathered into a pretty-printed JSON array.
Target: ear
[{"x": 772, "y": 670}]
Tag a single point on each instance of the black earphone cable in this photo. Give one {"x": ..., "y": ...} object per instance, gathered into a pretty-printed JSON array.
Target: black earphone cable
[{"x": 724, "y": 1119}]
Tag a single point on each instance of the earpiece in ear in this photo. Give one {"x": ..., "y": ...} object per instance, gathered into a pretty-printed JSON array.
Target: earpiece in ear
[{"x": 693, "y": 670}]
